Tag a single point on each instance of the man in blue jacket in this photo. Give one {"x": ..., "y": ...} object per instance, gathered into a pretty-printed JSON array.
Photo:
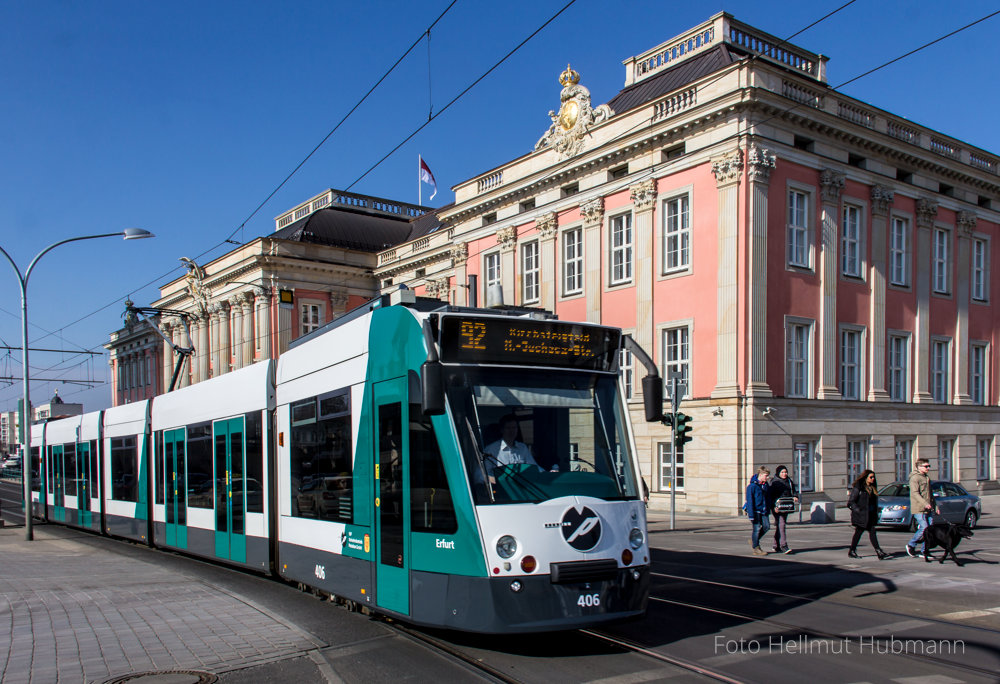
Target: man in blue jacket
[{"x": 757, "y": 510}]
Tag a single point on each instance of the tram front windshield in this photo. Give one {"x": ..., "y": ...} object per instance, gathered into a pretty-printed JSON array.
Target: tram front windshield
[{"x": 530, "y": 435}]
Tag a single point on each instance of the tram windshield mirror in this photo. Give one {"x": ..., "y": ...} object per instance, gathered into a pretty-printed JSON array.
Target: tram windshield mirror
[{"x": 569, "y": 435}]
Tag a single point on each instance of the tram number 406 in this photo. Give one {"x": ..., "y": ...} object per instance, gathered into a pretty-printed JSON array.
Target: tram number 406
[{"x": 589, "y": 600}]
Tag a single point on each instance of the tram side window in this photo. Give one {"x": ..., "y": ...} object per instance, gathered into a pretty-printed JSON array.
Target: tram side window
[
  {"x": 159, "y": 486},
  {"x": 48, "y": 467},
  {"x": 92, "y": 478},
  {"x": 124, "y": 456},
  {"x": 431, "y": 507},
  {"x": 322, "y": 482},
  {"x": 200, "y": 483},
  {"x": 70, "y": 470},
  {"x": 255, "y": 462},
  {"x": 36, "y": 483}
]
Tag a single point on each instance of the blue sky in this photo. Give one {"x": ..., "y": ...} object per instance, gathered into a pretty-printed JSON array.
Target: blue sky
[{"x": 182, "y": 117}]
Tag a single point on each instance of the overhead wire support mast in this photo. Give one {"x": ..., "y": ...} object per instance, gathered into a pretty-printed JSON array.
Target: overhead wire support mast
[{"x": 143, "y": 312}]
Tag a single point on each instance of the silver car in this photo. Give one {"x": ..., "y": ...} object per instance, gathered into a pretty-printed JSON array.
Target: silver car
[{"x": 956, "y": 505}]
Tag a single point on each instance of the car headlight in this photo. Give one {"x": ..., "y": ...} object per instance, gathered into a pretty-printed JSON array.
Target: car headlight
[
  {"x": 895, "y": 507},
  {"x": 635, "y": 538},
  {"x": 506, "y": 546}
]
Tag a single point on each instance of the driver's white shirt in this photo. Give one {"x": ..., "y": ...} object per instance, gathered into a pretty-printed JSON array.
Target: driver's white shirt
[{"x": 509, "y": 454}]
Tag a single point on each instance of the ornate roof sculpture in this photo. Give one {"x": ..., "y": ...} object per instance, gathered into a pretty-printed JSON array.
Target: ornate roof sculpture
[{"x": 574, "y": 119}]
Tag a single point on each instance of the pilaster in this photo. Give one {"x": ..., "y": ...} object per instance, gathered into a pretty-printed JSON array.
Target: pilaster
[
  {"x": 831, "y": 185},
  {"x": 728, "y": 171},
  {"x": 881, "y": 201},
  {"x": 459, "y": 255},
  {"x": 548, "y": 227},
  {"x": 593, "y": 220},
  {"x": 507, "y": 239},
  {"x": 965, "y": 224},
  {"x": 760, "y": 162},
  {"x": 644, "y": 204},
  {"x": 264, "y": 321},
  {"x": 926, "y": 213}
]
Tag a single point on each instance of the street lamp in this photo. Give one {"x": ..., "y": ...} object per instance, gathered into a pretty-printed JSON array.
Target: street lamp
[{"x": 128, "y": 234}]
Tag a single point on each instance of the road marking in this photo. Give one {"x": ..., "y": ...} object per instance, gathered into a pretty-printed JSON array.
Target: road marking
[
  {"x": 894, "y": 627},
  {"x": 645, "y": 676},
  {"x": 964, "y": 614},
  {"x": 929, "y": 679}
]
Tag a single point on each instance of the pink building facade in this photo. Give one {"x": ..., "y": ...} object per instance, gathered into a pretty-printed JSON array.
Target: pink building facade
[{"x": 819, "y": 271}]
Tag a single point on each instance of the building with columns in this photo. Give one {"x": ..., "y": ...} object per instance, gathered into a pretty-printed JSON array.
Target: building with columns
[
  {"x": 247, "y": 305},
  {"x": 817, "y": 270}
]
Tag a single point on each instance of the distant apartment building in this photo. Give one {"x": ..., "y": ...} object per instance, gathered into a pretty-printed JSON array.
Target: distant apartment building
[
  {"x": 248, "y": 304},
  {"x": 818, "y": 271}
]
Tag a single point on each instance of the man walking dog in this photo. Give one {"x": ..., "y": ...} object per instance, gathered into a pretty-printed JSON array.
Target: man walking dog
[{"x": 921, "y": 505}]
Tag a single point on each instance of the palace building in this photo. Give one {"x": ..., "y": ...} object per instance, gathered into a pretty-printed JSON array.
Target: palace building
[{"x": 818, "y": 271}]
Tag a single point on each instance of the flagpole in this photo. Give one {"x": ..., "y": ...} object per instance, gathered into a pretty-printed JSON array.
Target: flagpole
[{"x": 420, "y": 189}]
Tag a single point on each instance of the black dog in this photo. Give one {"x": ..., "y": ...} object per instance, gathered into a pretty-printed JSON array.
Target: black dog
[{"x": 947, "y": 536}]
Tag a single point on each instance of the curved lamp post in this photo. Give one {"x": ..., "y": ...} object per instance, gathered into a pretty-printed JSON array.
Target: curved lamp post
[{"x": 128, "y": 234}]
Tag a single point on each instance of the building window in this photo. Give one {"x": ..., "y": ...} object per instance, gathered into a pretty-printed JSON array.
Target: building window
[
  {"x": 797, "y": 359},
  {"x": 983, "y": 445},
  {"x": 677, "y": 234},
  {"x": 625, "y": 361},
  {"x": 798, "y": 228},
  {"x": 904, "y": 447},
  {"x": 803, "y": 461},
  {"x": 941, "y": 270},
  {"x": 850, "y": 364},
  {"x": 621, "y": 249},
  {"x": 856, "y": 460},
  {"x": 529, "y": 272},
  {"x": 573, "y": 261},
  {"x": 676, "y": 356},
  {"x": 980, "y": 270},
  {"x": 492, "y": 270},
  {"x": 944, "y": 456},
  {"x": 977, "y": 374},
  {"x": 899, "y": 252},
  {"x": 312, "y": 318},
  {"x": 667, "y": 468},
  {"x": 939, "y": 370},
  {"x": 850, "y": 241},
  {"x": 897, "y": 360}
]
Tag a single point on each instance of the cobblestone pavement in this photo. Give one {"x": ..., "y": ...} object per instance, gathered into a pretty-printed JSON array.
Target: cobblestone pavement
[{"x": 70, "y": 613}]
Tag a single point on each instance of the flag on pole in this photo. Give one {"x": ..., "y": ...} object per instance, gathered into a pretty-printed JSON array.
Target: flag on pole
[{"x": 426, "y": 176}]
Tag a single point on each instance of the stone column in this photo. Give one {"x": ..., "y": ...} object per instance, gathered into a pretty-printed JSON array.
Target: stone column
[
  {"x": 965, "y": 224},
  {"x": 214, "y": 310},
  {"x": 285, "y": 314},
  {"x": 236, "y": 308},
  {"x": 181, "y": 340},
  {"x": 225, "y": 349},
  {"x": 507, "y": 239},
  {"x": 249, "y": 344},
  {"x": 759, "y": 164},
  {"x": 593, "y": 257},
  {"x": 459, "y": 255},
  {"x": 167, "y": 370},
  {"x": 204, "y": 349},
  {"x": 926, "y": 213},
  {"x": 264, "y": 321},
  {"x": 548, "y": 228},
  {"x": 728, "y": 171},
  {"x": 643, "y": 196},
  {"x": 831, "y": 184}
]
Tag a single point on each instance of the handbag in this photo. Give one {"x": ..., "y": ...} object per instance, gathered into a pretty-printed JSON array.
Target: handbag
[{"x": 785, "y": 504}]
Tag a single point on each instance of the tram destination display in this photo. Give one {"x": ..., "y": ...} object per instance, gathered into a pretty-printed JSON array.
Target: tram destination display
[{"x": 519, "y": 341}]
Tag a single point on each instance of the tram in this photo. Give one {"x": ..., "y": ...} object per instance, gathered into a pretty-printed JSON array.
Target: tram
[{"x": 453, "y": 467}]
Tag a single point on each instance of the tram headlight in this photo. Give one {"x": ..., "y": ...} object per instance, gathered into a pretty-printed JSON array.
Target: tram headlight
[
  {"x": 506, "y": 546},
  {"x": 635, "y": 538}
]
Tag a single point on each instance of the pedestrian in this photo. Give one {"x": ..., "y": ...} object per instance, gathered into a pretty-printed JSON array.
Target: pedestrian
[
  {"x": 781, "y": 487},
  {"x": 757, "y": 509},
  {"x": 921, "y": 504},
  {"x": 863, "y": 502}
]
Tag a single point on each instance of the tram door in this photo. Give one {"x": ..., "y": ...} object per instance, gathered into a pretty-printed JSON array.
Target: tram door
[
  {"x": 83, "y": 484},
  {"x": 230, "y": 490},
  {"x": 392, "y": 534},
  {"x": 175, "y": 487},
  {"x": 58, "y": 484}
]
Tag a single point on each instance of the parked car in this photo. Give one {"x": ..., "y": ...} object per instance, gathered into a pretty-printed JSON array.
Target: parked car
[
  {"x": 956, "y": 505},
  {"x": 12, "y": 462}
]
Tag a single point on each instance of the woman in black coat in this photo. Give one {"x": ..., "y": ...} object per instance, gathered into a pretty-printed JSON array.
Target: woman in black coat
[{"x": 863, "y": 503}]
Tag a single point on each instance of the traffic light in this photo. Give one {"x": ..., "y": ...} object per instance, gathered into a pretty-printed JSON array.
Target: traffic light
[{"x": 681, "y": 430}]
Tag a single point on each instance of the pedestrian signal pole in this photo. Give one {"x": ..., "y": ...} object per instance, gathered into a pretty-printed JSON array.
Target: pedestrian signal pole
[{"x": 677, "y": 390}]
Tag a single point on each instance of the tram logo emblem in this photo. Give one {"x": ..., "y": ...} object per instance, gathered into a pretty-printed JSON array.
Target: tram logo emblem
[{"x": 581, "y": 528}]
